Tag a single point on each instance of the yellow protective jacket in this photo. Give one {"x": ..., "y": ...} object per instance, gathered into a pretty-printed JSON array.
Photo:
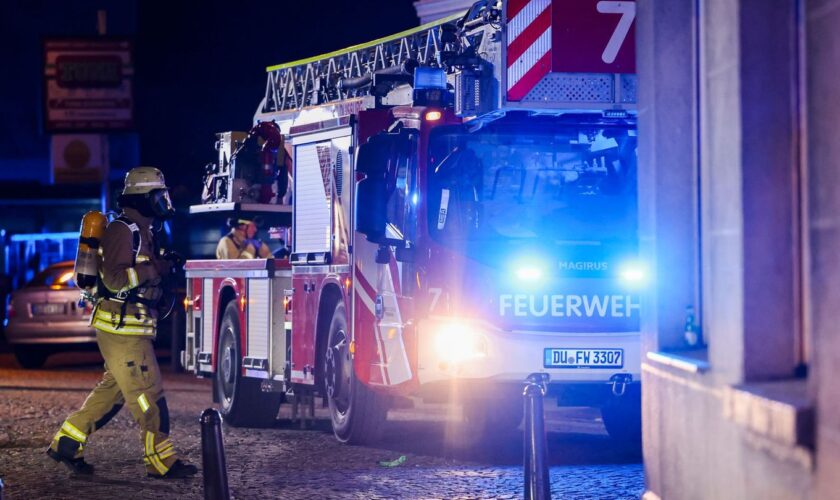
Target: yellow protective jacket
[
  {"x": 234, "y": 246},
  {"x": 127, "y": 275}
]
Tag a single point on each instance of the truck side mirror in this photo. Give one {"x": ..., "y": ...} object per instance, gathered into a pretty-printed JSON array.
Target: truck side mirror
[
  {"x": 371, "y": 204},
  {"x": 371, "y": 192}
]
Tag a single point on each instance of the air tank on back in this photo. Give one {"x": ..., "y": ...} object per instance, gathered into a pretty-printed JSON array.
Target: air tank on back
[{"x": 87, "y": 259}]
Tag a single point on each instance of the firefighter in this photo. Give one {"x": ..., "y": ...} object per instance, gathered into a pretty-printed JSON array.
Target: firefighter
[
  {"x": 262, "y": 250},
  {"x": 129, "y": 285},
  {"x": 234, "y": 244}
]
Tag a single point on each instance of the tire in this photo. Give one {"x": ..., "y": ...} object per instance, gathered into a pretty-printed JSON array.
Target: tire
[
  {"x": 623, "y": 416},
  {"x": 31, "y": 357},
  {"x": 241, "y": 401},
  {"x": 486, "y": 422},
  {"x": 495, "y": 416},
  {"x": 357, "y": 413}
]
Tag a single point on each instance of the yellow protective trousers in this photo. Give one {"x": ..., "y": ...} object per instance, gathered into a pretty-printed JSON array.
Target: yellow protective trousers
[{"x": 132, "y": 378}]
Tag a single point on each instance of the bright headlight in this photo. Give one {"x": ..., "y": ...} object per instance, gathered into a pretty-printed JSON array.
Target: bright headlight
[
  {"x": 529, "y": 273},
  {"x": 633, "y": 273},
  {"x": 457, "y": 341}
]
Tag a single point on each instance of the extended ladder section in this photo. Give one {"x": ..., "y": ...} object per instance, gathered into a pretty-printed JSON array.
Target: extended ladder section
[
  {"x": 545, "y": 56},
  {"x": 348, "y": 73}
]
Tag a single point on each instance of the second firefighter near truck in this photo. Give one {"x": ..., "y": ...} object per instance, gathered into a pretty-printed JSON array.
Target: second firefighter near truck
[
  {"x": 241, "y": 241},
  {"x": 131, "y": 270}
]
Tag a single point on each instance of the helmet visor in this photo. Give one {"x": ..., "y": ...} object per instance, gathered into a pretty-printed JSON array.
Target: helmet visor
[{"x": 161, "y": 204}]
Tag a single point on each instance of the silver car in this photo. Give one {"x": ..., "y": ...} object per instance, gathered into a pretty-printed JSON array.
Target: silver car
[{"x": 45, "y": 316}]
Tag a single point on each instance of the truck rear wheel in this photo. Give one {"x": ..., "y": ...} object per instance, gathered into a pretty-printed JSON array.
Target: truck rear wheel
[
  {"x": 623, "y": 416},
  {"x": 242, "y": 402},
  {"x": 357, "y": 412}
]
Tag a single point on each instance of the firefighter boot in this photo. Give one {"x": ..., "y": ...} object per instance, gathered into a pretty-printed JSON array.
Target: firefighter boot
[
  {"x": 67, "y": 452},
  {"x": 177, "y": 470}
]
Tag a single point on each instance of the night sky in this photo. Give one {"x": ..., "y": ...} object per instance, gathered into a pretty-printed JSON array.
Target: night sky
[
  {"x": 201, "y": 66},
  {"x": 199, "y": 69}
]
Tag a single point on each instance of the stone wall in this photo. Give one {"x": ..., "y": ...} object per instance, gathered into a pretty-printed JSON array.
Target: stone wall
[
  {"x": 823, "y": 231},
  {"x": 723, "y": 101}
]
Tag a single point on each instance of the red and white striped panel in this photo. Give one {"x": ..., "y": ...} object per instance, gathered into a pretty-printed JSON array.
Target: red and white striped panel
[{"x": 528, "y": 45}]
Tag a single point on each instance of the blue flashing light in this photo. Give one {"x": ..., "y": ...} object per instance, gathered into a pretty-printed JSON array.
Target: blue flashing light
[
  {"x": 633, "y": 274},
  {"x": 429, "y": 78},
  {"x": 529, "y": 274},
  {"x": 529, "y": 269},
  {"x": 43, "y": 236},
  {"x": 414, "y": 199}
]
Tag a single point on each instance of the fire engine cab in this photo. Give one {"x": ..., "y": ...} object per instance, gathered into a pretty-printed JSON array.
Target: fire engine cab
[{"x": 461, "y": 204}]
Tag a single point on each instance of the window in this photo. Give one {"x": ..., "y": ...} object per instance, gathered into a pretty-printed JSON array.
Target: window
[
  {"x": 402, "y": 202},
  {"x": 54, "y": 276},
  {"x": 549, "y": 183}
]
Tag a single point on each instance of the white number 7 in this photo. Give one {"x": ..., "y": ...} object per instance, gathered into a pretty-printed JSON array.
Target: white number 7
[
  {"x": 628, "y": 13},
  {"x": 435, "y": 292}
]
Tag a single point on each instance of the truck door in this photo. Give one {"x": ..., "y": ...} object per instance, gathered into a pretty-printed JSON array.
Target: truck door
[{"x": 385, "y": 282}]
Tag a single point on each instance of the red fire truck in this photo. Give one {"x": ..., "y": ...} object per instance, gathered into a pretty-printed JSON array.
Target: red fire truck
[{"x": 462, "y": 214}]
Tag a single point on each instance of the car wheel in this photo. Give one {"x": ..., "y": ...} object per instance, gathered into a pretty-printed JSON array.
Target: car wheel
[
  {"x": 31, "y": 357},
  {"x": 357, "y": 413},
  {"x": 242, "y": 402}
]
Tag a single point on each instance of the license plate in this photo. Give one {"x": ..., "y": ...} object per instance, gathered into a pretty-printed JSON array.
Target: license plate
[
  {"x": 45, "y": 309},
  {"x": 583, "y": 358}
]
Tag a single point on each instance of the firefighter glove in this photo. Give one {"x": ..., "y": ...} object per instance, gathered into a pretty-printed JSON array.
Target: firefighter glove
[
  {"x": 177, "y": 260},
  {"x": 163, "y": 267}
]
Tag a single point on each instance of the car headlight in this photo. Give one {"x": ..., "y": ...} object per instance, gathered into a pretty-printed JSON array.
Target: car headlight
[{"x": 458, "y": 341}]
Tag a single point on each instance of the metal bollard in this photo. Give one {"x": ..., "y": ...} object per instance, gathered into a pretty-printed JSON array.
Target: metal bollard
[
  {"x": 213, "y": 456},
  {"x": 537, "y": 484}
]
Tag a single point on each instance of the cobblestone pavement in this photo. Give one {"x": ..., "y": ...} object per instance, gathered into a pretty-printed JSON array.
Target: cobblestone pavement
[{"x": 285, "y": 462}]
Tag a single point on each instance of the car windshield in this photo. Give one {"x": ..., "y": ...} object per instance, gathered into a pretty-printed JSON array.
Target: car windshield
[
  {"x": 54, "y": 277},
  {"x": 547, "y": 183}
]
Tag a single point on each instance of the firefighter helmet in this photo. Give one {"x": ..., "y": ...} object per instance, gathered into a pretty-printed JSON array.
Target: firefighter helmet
[
  {"x": 142, "y": 180},
  {"x": 145, "y": 189}
]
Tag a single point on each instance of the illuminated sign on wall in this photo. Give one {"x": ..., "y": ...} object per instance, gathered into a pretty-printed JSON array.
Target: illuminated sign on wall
[
  {"x": 79, "y": 158},
  {"x": 88, "y": 84}
]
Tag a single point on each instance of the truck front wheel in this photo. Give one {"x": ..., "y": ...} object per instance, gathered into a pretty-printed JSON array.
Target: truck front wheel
[
  {"x": 357, "y": 412},
  {"x": 486, "y": 422},
  {"x": 242, "y": 402},
  {"x": 623, "y": 416}
]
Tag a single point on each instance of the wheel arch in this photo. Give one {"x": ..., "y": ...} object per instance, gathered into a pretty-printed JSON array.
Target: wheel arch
[
  {"x": 227, "y": 293},
  {"x": 331, "y": 295}
]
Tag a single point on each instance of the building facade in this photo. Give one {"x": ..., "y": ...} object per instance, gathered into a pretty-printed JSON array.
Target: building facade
[{"x": 740, "y": 211}]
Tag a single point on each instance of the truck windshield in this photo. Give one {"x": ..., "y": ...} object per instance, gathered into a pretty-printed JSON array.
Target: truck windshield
[{"x": 547, "y": 183}]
